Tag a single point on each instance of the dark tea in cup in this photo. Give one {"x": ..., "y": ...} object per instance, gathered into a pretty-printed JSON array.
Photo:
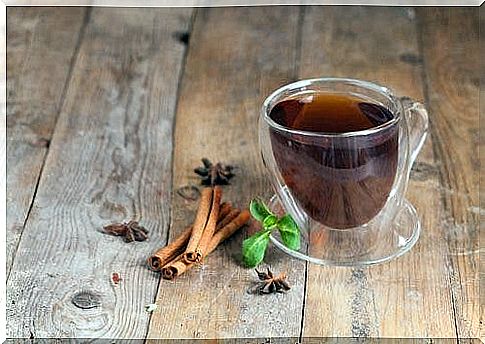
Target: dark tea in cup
[{"x": 339, "y": 169}]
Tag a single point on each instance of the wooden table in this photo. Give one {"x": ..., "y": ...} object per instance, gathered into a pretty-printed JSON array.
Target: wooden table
[{"x": 109, "y": 110}]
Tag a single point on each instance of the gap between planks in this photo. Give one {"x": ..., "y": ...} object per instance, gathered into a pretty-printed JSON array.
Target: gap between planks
[{"x": 299, "y": 39}]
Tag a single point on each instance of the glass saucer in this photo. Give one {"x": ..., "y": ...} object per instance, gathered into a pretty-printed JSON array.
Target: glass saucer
[{"x": 360, "y": 246}]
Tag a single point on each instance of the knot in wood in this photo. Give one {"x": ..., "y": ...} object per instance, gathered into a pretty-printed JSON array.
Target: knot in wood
[{"x": 86, "y": 300}]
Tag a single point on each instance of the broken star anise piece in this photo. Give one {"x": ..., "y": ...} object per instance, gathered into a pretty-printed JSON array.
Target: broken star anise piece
[
  {"x": 214, "y": 174},
  {"x": 271, "y": 284},
  {"x": 131, "y": 230}
]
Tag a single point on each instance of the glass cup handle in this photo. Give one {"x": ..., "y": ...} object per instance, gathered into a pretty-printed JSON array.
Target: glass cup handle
[{"x": 417, "y": 122}]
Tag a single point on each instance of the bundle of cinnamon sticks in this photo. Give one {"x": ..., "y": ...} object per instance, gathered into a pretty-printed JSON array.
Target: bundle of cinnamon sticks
[{"x": 214, "y": 223}]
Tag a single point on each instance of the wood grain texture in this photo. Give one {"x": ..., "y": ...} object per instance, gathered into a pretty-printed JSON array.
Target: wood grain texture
[
  {"x": 236, "y": 57},
  {"x": 410, "y": 296},
  {"x": 109, "y": 160},
  {"x": 41, "y": 46},
  {"x": 452, "y": 60}
]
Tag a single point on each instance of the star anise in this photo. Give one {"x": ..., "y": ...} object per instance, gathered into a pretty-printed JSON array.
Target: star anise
[
  {"x": 131, "y": 230},
  {"x": 218, "y": 174},
  {"x": 271, "y": 284}
]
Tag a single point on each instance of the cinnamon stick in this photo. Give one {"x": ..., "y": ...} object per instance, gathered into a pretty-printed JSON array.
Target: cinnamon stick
[
  {"x": 199, "y": 224},
  {"x": 228, "y": 230},
  {"x": 166, "y": 254},
  {"x": 174, "y": 250},
  {"x": 174, "y": 268},
  {"x": 210, "y": 226},
  {"x": 225, "y": 209},
  {"x": 228, "y": 218},
  {"x": 178, "y": 266}
]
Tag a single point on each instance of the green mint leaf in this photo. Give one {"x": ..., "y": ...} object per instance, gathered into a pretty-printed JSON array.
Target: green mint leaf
[
  {"x": 254, "y": 248},
  {"x": 270, "y": 222},
  {"x": 290, "y": 234},
  {"x": 259, "y": 210}
]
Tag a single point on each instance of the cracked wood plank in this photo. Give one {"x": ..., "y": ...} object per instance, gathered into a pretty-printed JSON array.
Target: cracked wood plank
[
  {"x": 109, "y": 160},
  {"x": 41, "y": 47},
  {"x": 236, "y": 57}
]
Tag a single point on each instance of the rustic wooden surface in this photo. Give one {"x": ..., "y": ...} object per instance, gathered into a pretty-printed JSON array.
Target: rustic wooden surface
[{"x": 108, "y": 111}]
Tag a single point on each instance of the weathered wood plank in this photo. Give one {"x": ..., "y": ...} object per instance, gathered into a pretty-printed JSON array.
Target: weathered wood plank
[
  {"x": 109, "y": 160},
  {"x": 481, "y": 214},
  {"x": 452, "y": 59},
  {"x": 410, "y": 296},
  {"x": 41, "y": 46},
  {"x": 236, "y": 57}
]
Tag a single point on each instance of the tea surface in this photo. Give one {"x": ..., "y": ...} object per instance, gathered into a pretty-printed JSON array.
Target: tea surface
[{"x": 330, "y": 113}]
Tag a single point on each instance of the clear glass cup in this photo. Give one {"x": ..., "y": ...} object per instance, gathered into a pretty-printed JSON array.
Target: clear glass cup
[{"x": 345, "y": 190}]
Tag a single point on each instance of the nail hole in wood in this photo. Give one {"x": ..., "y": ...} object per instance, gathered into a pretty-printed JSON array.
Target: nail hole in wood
[
  {"x": 182, "y": 37},
  {"x": 41, "y": 142},
  {"x": 411, "y": 59}
]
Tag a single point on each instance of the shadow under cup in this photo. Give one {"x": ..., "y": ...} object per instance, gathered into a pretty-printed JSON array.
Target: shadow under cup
[{"x": 339, "y": 181}]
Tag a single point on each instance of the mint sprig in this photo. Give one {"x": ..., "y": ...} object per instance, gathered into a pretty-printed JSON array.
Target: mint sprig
[
  {"x": 255, "y": 246},
  {"x": 289, "y": 232}
]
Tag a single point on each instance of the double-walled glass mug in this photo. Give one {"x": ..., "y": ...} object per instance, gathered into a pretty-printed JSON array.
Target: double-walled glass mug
[{"x": 343, "y": 178}]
